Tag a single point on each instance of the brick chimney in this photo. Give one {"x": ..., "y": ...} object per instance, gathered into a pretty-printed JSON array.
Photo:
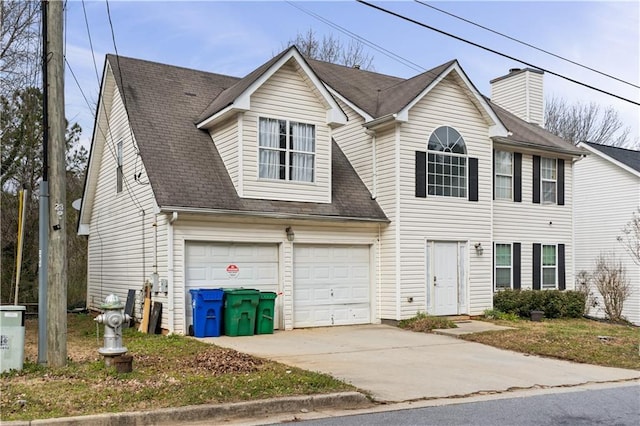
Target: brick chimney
[{"x": 521, "y": 93}]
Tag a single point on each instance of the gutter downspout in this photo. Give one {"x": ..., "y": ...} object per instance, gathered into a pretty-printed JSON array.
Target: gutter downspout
[
  {"x": 374, "y": 160},
  {"x": 170, "y": 271}
]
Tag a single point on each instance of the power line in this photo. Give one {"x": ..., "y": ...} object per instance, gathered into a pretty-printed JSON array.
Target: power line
[
  {"x": 386, "y": 52},
  {"x": 413, "y": 21},
  {"x": 526, "y": 44},
  {"x": 93, "y": 55}
]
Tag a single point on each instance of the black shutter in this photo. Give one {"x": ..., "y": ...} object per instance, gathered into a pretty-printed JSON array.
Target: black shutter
[
  {"x": 473, "y": 179},
  {"x": 517, "y": 177},
  {"x": 537, "y": 266},
  {"x": 536, "y": 179},
  {"x": 562, "y": 284},
  {"x": 560, "y": 182},
  {"x": 517, "y": 249},
  {"x": 421, "y": 174}
]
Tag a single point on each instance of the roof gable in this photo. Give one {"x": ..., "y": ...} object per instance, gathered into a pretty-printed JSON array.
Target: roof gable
[
  {"x": 627, "y": 159},
  {"x": 238, "y": 97}
]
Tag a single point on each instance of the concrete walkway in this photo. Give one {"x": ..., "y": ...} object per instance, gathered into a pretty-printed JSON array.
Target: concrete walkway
[{"x": 396, "y": 365}]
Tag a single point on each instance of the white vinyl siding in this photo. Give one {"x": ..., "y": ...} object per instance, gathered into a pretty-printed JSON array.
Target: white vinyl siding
[
  {"x": 225, "y": 138},
  {"x": 522, "y": 95},
  {"x": 122, "y": 232},
  {"x": 600, "y": 184},
  {"x": 530, "y": 223},
  {"x": 357, "y": 146},
  {"x": 445, "y": 218},
  {"x": 287, "y": 95}
]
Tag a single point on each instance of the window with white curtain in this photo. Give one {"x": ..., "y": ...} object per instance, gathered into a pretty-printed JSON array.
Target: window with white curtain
[
  {"x": 287, "y": 150},
  {"x": 549, "y": 179},
  {"x": 504, "y": 175},
  {"x": 503, "y": 264}
]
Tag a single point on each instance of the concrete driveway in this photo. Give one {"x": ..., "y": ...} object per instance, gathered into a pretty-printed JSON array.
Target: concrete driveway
[{"x": 396, "y": 365}]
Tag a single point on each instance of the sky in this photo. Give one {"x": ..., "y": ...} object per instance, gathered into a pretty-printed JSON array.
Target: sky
[{"x": 234, "y": 38}]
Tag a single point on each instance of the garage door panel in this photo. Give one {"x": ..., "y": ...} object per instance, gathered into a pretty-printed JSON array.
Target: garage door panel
[
  {"x": 207, "y": 262},
  {"x": 331, "y": 285}
]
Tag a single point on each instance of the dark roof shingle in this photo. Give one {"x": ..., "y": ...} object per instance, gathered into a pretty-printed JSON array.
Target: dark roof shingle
[
  {"x": 628, "y": 157},
  {"x": 183, "y": 165}
]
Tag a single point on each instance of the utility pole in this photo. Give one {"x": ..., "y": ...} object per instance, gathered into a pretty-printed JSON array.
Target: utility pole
[
  {"x": 57, "y": 279},
  {"x": 43, "y": 212}
]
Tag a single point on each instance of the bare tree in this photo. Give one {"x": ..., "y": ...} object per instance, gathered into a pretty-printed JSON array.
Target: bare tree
[
  {"x": 19, "y": 50},
  {"x": 331, "y": 49},
  {"x": 579, "y": 122},
  {"x": 611, "y": 282},
  {"x": 583, "y": 285},
  {"x": 631, "y": 236}
]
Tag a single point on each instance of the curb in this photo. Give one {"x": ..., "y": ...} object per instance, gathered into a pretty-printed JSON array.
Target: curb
[{"x": 211, "y": 412}]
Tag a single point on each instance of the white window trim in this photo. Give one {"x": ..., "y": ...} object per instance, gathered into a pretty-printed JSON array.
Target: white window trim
[
  {"x": 495, "y": 266},
  {"x": 288, "y": 151},
  {"x": 498, "y": 174},
  {"x": 465, "y": 188},
  {"x": 543, "y": 267},
  {"x": 543, "y": 180}
]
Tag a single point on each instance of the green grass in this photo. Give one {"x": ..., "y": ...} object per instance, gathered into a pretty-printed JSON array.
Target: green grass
[
  {"x": 576, "y": 340},
  {"x": 425, "y": 323},
  {"x": 168, "y": 371}
]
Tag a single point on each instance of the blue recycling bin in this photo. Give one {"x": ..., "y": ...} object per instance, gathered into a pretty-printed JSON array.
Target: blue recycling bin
[{"x": 207, "y": 308}]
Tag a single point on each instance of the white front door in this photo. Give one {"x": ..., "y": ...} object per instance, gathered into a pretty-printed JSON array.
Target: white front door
[{"x": 445, "y": 278}]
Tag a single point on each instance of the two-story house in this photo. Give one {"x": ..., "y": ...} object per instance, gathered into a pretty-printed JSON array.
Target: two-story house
[{"x": 358, "y": 197}]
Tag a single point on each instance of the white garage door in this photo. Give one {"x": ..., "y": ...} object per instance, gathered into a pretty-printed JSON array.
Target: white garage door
[
  {"x": 331, "y": 285},
  {"x": 231, "y": 265}
]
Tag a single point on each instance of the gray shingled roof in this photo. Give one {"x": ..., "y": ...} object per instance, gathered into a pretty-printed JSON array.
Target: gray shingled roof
[
  {"x": 628, "y": 157},
  {"x": 183, "y": 165},
  {"x": 376, "y": 94},
  {"x": 527, "y": 134}
]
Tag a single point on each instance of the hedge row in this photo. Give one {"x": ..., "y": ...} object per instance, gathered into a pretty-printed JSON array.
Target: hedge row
[{"x": 554, "y": 303}]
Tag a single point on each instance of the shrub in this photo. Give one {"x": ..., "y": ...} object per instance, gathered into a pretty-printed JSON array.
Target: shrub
[
  {"x": 612, "y": 284},
  {"x": 554, "y": 303},
  {"x": 499, "y": 315}
]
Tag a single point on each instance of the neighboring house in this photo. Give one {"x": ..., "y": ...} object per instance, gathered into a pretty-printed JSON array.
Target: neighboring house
[
  {"x": 607, "y": 193},
  {"x": 357, "y": 197}
]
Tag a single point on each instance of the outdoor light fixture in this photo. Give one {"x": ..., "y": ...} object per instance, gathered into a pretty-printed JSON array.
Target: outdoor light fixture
[
  {"x": 479, "y": 248},
  {"x": 290, "y": 234}
]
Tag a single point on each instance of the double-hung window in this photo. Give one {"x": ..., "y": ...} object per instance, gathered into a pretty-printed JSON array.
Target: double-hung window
[
  {"x": 287, "y": 150},
  {"x": 548, "y": 174},
  {"x": 447, "y": 163},
  {"x": 119, "y": 162},
  {"x": 549, "y": 266},
  {"x": 504, "y": 175},
  {"x": 503, "y": 266}
]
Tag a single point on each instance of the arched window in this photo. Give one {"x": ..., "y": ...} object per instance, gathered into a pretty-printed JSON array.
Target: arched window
[{"x": 447, "y": 163}]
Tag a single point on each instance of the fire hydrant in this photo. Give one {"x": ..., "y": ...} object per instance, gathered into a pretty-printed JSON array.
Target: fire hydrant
[{"x": 112, "y": 318}]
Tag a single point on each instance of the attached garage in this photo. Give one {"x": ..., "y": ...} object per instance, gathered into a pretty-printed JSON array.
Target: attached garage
[
  {"x": 331, "y": 285},
  {"x": 230, "y": 265}
]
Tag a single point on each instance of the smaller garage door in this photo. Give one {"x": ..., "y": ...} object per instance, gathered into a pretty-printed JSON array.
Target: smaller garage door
[
  {"x": 331, "y": 285},
  {"x": 213, "y": 265}
]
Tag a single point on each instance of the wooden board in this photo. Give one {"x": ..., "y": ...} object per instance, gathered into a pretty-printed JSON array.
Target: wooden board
[
  {"x": 146, "y": 310},
  {"x": 154, "y": 322},
  {"x": 128, "y": 308}
]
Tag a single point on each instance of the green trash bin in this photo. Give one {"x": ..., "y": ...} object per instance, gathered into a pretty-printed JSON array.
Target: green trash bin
[
  {"x": 264, "y": 314},
  {"x": 11, "y": 337},
  {"x": 240, "y": 311}
]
